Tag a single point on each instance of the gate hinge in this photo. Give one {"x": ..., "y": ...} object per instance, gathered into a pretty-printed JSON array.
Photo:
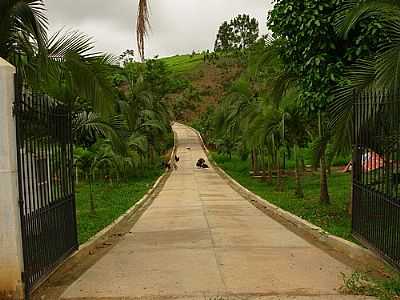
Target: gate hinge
[{"x": 23, "y": 277}]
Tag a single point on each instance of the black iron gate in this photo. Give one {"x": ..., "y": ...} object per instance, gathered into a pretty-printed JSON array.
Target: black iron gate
[
  {"x": 46, "y": 185},
  {"x": 376, "y": 173}
]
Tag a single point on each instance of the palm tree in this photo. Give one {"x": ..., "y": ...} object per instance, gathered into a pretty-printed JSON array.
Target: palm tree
[
  {"x": 142, "y": 25},
  {"x": 74, "y": 72},
  {"x": 147, "y": 117},
  {"x": 23, "y": 31},
  {"x": 64, "y": 65},
  {"x": 379, "y": 72}
]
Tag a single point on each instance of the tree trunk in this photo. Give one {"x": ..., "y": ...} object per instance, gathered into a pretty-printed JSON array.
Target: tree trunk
[
  {"x": 324, "y": 192},
  {"x": 299, "y": 188},
  {"x": 76, "y": 175},
  {"x": 350, "y": 205},
  {"x": 279, "y": 186},
  {"x": 256, "y": 170},
  {"x": 270, "y": 175},
  {"x": 253, "y": 161},
  {"x": 264, "y": 167},
  {"x": 92, "y": 205},
  {"x": 329, "y": 168}
]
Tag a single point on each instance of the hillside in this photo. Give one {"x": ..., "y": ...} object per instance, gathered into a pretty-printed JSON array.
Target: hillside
[
  {"x": 207, "y": 82},
  {"x": 182, "y": 64}
]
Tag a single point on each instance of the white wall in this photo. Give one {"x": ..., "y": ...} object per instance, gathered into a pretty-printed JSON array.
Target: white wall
[{"x": 11, "y": 259}]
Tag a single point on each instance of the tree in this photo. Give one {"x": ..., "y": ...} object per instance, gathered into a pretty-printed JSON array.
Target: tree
[
  {"x": 225, "y": 37},
  {"x": 378, "y": 71},
  {"x": 23, "y": 26},
  {"x": 239, "y": 34},
  {"x": 310, "y": 49},
  {"x": 142, "y": 26},
  {"x": 74, "y": 73},
  {"x": 246, "y": 31},
  {"x": 128, "y": 56}
]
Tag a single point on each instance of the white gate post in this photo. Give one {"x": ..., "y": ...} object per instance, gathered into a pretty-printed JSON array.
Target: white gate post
[{"x": 11, "y": 255}]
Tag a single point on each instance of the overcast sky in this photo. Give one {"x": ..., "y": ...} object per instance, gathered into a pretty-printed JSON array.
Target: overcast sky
[{"x": 178, "y": 26}]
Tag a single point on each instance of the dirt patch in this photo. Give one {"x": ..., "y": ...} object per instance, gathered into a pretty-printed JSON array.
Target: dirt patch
[{"x": 210, "y": 80}]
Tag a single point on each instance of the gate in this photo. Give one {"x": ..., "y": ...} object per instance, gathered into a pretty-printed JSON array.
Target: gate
[
  {"x": 45, "y": 181},
  {"x": 376, "y": 173}
]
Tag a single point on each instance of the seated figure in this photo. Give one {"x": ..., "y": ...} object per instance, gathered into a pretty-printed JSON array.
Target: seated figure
[{"x": 201, "y": 163}]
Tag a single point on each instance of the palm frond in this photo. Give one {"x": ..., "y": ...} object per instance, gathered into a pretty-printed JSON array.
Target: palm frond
[
  {"x": 64, "y": 42},
  {"x": 89, "y": 79},
  {"x": 352, "y": 12},
  {"x": 22, "y": 21}
]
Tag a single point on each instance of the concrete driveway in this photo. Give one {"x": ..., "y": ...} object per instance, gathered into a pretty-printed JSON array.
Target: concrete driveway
[{"x": 201, "y": 240}]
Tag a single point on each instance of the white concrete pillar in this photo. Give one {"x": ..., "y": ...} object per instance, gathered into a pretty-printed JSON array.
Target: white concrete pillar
[{"x": 11, "y": 257}]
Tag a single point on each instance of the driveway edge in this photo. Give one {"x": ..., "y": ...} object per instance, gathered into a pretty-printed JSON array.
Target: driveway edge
[
  {"x": 361, "y": 256},
  {"x": 102, "y": 236}
]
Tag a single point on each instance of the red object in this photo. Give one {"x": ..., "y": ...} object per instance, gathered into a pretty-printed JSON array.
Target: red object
[{"x": 372, "y": 161}]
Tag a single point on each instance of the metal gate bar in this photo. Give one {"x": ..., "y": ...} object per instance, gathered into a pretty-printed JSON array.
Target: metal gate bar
[
  {"x": 46, "y": 183},
  {"x": 376, "y": 173}
]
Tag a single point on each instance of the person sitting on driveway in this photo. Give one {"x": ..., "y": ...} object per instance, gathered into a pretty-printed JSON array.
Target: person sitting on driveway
[{"x": 201, "y": 163}]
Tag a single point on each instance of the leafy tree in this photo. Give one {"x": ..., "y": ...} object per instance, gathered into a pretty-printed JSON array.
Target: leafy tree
[
  {"x": 311, "y": 50},
  {"x": 128, "y": 56},
  {"x": 239, "y": 34},
  {"x": 225, "y": 37},
  {"x": 246, "y": 31}
]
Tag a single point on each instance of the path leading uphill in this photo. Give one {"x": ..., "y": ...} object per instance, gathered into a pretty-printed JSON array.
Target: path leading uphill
[{"x": 200, "y": 239}]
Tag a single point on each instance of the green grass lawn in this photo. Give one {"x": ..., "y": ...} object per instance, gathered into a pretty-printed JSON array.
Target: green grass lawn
[
  {"x": 183, "y": 63},
  {"x": 111, "y": 202},
  {"x": 333, "y": 218}
]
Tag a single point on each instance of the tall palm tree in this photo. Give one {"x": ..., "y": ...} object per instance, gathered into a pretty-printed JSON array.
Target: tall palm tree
[{"x": 142, "y": 25}]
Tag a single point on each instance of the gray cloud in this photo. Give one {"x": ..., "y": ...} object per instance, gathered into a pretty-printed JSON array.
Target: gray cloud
[{"x": 178, "y": 26}]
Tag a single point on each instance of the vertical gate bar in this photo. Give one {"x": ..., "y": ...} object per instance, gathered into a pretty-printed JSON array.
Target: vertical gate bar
[
  {"x": 29, "y": 243},
  {"x": 47, "y": 204},
  {"x": 20, "y": 173},
  {"x": 72, "y": 178},
  {"x": 48, "y": 154},
  {"x": 32, "y": 262},
  {"x": 44, "y": 139},
  {"x": 53, "y": 179},
  {"x": 38, "y": 200}
]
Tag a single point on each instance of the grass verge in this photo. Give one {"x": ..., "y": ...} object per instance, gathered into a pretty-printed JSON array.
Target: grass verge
[
  {"x": 333, "y": 218},
  {"x": 112, "y": 200},
  {"x": 362, "y": 284}
]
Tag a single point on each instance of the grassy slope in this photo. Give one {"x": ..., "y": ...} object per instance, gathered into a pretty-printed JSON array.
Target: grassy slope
[
  {"x": 332, "y": 218},
  {"x": 183, "y": 63},
  {"x": 111, "y": 202}
]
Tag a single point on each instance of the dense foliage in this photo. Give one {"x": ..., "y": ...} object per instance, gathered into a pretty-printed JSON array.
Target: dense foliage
[
  {"x": 239, "y": 34},
  {"x": 311, "y": 49},
  {"x": 121, "y": 118}
]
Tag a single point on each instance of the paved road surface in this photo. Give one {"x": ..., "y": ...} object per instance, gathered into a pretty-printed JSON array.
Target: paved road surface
[{"x": 200, "y": 240}]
